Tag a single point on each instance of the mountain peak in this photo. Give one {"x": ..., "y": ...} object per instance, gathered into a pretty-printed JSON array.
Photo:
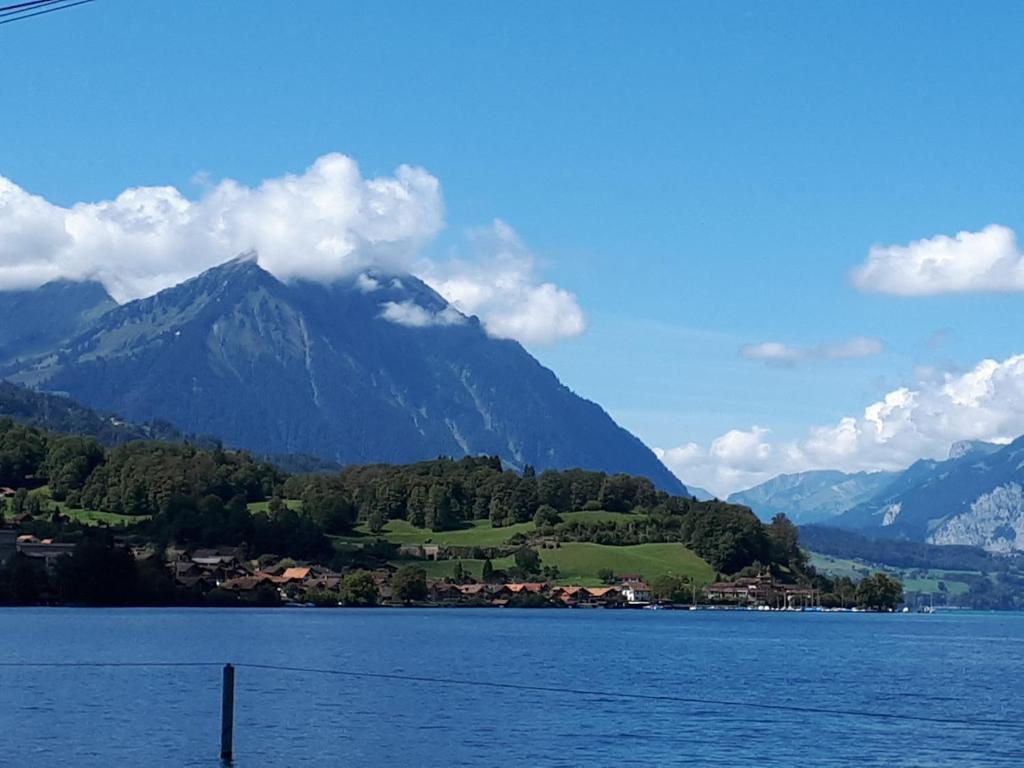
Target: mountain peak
[
  {"x": 962, "y": 448},
  {"x": 366, "y": 368}
]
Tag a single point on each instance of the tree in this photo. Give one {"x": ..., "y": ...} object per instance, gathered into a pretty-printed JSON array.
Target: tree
[
  {"x": 672, "y": 589},
  {"x": 785, "y": 543},
  {"x": 458, "y": 573},
  {"x": 409, "y": 584},
  {"x": 439, "y": 515},
  {"x": 606, "y": 575},
  {"x": 416, "y": 509},
  {"x": 546, "y": 515},
  {"x": 98, "y": 574},
  {"x": 359, "y": 589},
  {"x": 553, "y": 489},
  {"x": 329, "y": 506},
  {"x": 527, "y": 560},
  {"x": 376, "y": 521},
  {"x": 879, "y": 592},
  {"x": 488, "y": 571}
]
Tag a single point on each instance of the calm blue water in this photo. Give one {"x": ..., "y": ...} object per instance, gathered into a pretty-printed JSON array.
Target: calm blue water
[{"x": 945, "y": 666}]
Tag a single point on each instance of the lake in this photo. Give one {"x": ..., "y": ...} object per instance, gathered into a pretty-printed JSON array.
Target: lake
[{"x": 944, "y": 667}]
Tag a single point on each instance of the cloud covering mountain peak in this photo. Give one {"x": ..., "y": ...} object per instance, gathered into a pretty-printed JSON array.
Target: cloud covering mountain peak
[{"x": 325, "y": 223}]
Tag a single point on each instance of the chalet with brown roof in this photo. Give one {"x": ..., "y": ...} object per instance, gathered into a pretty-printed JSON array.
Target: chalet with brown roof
[
  {"x": 296, "y": 574},
  {"x": 484, "y": 591},
  {"x": 534, "y": 588},
  {"x": 605, "y": 594},
  {"x": 6, "y": 492},
  {"x": 442, "y": 591},
  {"x": 326, "y": 581},
  {"x": 242, "y": 584}
]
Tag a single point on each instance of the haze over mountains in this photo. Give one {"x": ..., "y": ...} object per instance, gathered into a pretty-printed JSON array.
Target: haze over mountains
[
  {"x": 369, "y": 368},
  {"x": 811, "y": 497}
]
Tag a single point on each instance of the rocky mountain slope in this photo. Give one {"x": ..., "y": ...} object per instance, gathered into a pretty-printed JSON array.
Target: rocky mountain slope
[{"x": 972, "y": 498}]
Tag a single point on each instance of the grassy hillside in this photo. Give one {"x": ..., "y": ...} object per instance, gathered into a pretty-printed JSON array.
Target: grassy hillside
[
  {"x": 915, "y": 580},
  {"x": 84, "y": 516},
  {"x": 579, "y": 562}
]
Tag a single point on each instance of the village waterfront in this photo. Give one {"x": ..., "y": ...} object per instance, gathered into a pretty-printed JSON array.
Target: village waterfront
[{"x": 855, "y": 689}]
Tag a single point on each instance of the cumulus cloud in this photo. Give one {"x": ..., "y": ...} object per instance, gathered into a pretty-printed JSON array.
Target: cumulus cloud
[
  {"x": 908, "y": 423},
  {"x": 322, "y": 224},
  {"x": 412, "y": 315},
  {"x": 989, "y": 261},
  {"x": 777, "y": 353},
  {"x": 325, "y": 223},
  {"x": 499, "y": 283}
]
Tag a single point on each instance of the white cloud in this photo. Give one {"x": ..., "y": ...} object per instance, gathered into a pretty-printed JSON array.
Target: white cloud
[
  {"x": 777, "y": 353},
  {"x": 412, "y": 315},
  {"x": 325, "y": 223},
  {"x": 989, "y": 261},
  {"x": 500, "y": 284},
  {"x": 909, "y": 423},
  {"x": 367, "y": 284}
]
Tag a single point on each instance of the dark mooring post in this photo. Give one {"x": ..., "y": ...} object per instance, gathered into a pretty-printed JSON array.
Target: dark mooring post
[{"x": 227, "y": 714}]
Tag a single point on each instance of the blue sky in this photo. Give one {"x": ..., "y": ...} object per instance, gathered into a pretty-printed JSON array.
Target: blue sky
[{"x": 700, "y": 176}]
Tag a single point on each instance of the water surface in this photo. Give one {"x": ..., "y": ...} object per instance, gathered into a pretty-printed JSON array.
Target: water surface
[{"x": 947, "y": 667}]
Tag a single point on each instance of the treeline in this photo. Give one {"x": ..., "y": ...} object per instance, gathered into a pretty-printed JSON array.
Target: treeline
[
  {"x": 59, "y": 414},
  {"x": 201, "y": 496},
  {"x": 445, "y": 493}
]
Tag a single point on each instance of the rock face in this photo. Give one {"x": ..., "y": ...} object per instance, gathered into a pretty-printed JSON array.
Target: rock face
[
  {"x": 811, "y": 497},
  {"x": 994, "y": 522},
  {"x": 972, "y": 498},
  {"x": 375, "y": 368}
]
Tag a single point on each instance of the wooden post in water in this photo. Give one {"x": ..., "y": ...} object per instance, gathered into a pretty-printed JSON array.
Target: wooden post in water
[{"x": 227, "y": 714}]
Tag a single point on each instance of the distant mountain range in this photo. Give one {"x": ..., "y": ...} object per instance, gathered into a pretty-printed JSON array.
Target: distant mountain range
[
  {"x": 373, "y": 368},
  {"x": 811, "y": 497},
  {"x": 975, "y": 497}
]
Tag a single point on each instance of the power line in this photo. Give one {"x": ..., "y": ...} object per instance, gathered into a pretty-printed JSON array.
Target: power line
[
  {"x": 665, "y": 698},
  {"x": 662, "y": 698},
  {"x": 7, "y": 9},
  {"x": 22, "y": 8},
  {"x": 44, "y": 5}
]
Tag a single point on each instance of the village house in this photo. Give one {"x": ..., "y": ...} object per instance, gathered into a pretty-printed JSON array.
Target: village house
[
  {"x": 45, "y": 549},
  {"x": 534, "y": 588},
  {"x": 444, "y": 592},
  {"x": 222, "y": 556},
  {"x": 587, "y": 596},
  {"x": 757, "y": 591},
  {"x": 636, "y": 592},
  {"x": 420, "y": 551}
]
